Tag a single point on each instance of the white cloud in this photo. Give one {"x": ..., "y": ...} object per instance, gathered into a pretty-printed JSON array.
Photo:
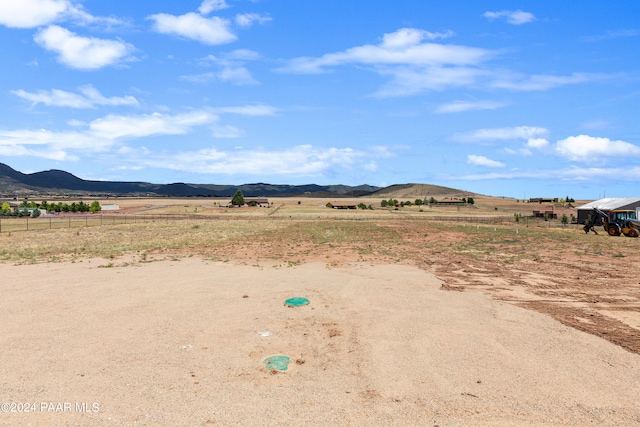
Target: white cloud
[
  {"x": 212, "y": 31},
  {"x": 84, "y": 53},
  {"x": 372, "y": 166},
  {"x": 613, "y": 34},
  {"x": 571, "y": 174},
  {"x": 406, "y": 37},
  {"x": 537, "y": 143},
  {"x": 404, "y": 48},
  {"x": 412, "y": 80},
  {"x": 248, "y": 19},
  {"x": 21, "y": 151},
  {"x": 106, "y": 135},
  {"x": 519, "y": 132},
  {"x": 114, "y": 127},
  {"x": 588, "y": 149},
  {"x": 48, "y": 144},
  {"x": 103, "y": 132},
  {"x": 237, "y": 75},
  {"x": 461, "y": 106},
  {"x": 31, "y": 13},
  {"x": 89, "y": 97},
  {"x": 209, "y": 6},
  {"x": 303, "y": 160},
  {"x": 250, "y": 110},
  {"x": 483, "y": 161},
  {"x": 37, "y": 13},
  {"x": 201, "y": 78},
  {"x": 413, "y": 63},
  {"x": 242, "y": 55},
  {"x": 543, "y": 82},
  {"x": 523, "y": 151},
  {"x": 226, "y": 131},
  {"x": 76, "y": 123},
  {"x": 231, "y": 68},
  {"x": 628, "y": 174},
  {"x": 513, "y": 17},
  {"x": 81, "y": 17}
]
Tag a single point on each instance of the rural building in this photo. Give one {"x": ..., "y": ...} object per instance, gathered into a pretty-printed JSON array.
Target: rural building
[
  {"x": 342, "y": 205},
  {"x": 452, "y": 202},
  {"x": 110, "y": 207},
  {"x": 607, "y": 205},
  {"x": 543, "y": 200},
  {"x": 555, "y": 212},
  {"x": 12, "y": 206},
  {"x": 256, "y": 201}
]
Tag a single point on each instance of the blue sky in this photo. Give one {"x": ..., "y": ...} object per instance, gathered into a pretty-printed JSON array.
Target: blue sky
[{"x": 504, "y": 98}]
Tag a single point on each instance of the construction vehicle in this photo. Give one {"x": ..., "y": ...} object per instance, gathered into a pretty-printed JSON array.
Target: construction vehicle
[{"x": 618, "y": 222}]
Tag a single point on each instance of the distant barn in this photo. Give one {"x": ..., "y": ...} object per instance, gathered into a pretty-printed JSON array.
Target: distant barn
[
  {"x": 554, "y": 212},
  {"x": 342, "y": 205},
  {"x": 256, "y": 201}
]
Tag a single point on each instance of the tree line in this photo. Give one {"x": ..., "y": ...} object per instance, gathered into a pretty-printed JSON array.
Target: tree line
[
  {"x": 33, "y": 209},
  {"x": 420, "y": 202}
]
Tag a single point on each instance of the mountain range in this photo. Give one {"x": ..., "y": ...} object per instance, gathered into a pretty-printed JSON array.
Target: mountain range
[{"x": 58, "y": 182}]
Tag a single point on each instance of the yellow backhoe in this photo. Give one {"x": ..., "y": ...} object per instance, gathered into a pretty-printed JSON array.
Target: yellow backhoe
[{"x": 618, "y": 222}]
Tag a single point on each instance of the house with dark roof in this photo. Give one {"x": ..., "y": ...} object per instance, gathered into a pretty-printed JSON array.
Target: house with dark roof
[
  {"x": 342, "y": 205},
  {"x": 257, "y": 201}
]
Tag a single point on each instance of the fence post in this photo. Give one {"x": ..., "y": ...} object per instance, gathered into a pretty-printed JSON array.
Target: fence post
[{"x": 27, "y": 223}]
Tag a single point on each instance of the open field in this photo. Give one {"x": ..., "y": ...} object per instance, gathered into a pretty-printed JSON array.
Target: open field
[{"x": 413, "y": 320}]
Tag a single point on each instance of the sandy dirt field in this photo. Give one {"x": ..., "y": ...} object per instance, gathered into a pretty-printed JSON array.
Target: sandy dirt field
[{"x": 182, "y": 343}]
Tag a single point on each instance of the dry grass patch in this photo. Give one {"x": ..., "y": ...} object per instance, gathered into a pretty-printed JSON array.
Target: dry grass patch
[{"x": 195, "y": 237}]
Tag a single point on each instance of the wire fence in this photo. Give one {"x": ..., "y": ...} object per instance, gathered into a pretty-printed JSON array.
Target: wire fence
[{"x": 51, "y": 222}]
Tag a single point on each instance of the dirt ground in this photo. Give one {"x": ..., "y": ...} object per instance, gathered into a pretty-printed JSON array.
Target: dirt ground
[
  {"x": 584, "y": 288},
  {"x": 183, "y": 343}
]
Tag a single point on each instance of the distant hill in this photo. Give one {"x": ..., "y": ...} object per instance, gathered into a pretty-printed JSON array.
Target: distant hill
[
  {"x": 419, "y": 191},
  {"x": 58, "y": 182}
]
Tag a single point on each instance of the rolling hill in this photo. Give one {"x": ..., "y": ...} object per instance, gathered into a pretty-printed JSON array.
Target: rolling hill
[{"x": 419, "y": 190}]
